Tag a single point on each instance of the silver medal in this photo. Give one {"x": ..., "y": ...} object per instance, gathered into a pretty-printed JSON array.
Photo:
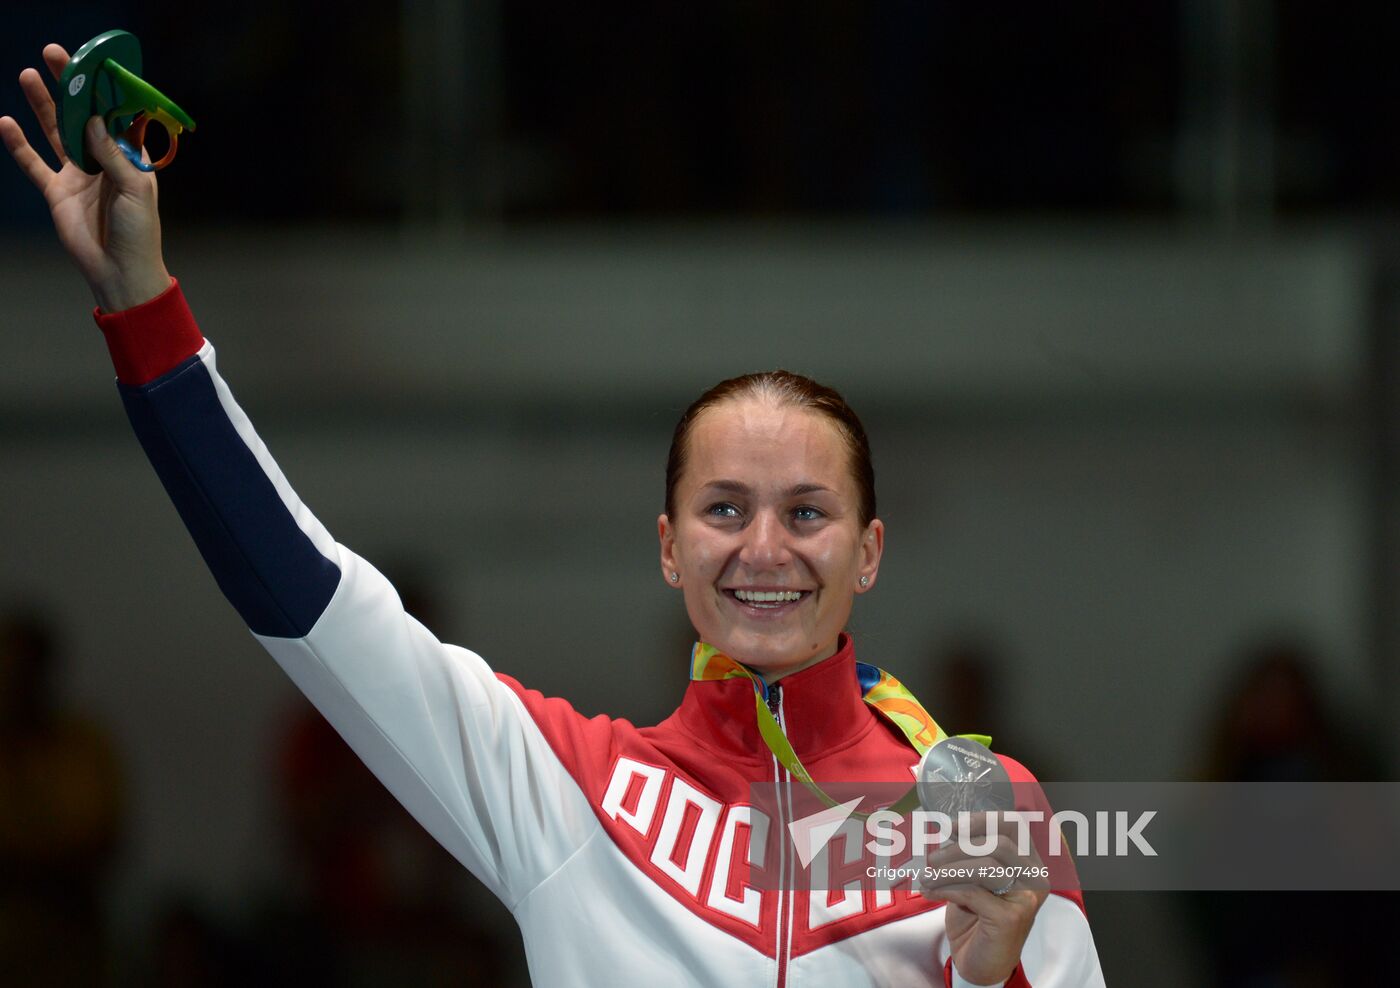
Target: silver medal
[{"x": 960, "y": 775}]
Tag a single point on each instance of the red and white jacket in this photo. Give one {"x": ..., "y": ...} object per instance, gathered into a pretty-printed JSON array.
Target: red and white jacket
[{"x": 624, "y": 853}]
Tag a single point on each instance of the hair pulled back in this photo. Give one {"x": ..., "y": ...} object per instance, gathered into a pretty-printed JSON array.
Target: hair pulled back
[{"x": 783, "y": 388}]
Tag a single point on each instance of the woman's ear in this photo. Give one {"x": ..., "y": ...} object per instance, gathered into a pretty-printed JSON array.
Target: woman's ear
[
  {"x": 872, "y": 547},
  {"x": 670, "y": 566}
]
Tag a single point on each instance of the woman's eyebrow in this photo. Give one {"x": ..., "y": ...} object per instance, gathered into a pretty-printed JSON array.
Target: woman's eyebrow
[
  {"x": 730, "y": 486},
  {"x": 739, "y": 487}
]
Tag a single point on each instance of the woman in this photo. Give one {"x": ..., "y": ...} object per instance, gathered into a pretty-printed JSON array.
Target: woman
[{"x": 630, "y": 856}]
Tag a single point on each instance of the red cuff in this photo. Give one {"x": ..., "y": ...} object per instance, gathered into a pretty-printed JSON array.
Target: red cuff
[{"x": 152, "y": 338}]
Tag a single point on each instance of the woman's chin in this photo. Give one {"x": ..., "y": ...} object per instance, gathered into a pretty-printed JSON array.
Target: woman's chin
[{"x": 770, "y": 659}]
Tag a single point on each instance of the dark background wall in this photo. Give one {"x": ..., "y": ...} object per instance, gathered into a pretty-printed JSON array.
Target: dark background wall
[{"x": 1110, "y": 287}]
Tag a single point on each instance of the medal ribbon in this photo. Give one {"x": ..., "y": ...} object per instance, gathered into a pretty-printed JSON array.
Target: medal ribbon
[{"x": 887, "y": 695}]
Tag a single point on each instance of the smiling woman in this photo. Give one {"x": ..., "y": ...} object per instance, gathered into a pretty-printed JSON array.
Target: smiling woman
[
  {"x": 629, "y": 856},
  {"x": 769, "y": 527}
]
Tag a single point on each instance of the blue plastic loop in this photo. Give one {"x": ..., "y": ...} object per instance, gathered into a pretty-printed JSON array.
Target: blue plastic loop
[{"x": 133, "y": 155}]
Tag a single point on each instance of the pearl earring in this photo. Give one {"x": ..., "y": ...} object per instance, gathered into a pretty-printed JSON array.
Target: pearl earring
[
  {"x": 865, "y": 581},
  {"x": 675, "y": 577}
]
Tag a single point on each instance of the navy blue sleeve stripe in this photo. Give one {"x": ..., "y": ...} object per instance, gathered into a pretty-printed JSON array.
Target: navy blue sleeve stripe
[{"x": 266, "y": 566}]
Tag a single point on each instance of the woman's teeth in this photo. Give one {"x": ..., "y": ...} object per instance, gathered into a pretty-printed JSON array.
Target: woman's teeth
[{"x": 767, "y": 596}]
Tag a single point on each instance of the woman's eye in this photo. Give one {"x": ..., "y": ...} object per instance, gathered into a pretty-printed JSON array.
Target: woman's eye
[
  {"x": 807, "y": 513},
  {"x": 723, "y": 510}
]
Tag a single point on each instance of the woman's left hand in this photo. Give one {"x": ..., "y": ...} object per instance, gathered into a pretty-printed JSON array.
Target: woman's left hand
[{"x": 986, "y": 931}]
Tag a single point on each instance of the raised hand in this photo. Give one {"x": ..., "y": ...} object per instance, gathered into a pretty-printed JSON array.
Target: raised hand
[{"x": 108, "y": 223}]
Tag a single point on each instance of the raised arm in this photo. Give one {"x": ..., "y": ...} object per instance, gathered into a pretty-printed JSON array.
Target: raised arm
[{"x": 454, "y": 743}]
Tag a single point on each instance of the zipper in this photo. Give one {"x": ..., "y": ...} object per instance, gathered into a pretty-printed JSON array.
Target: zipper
[{"x": 786, "y": 882}]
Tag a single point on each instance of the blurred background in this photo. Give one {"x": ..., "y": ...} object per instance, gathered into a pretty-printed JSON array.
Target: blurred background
[{"x": 1115, "y": 287}]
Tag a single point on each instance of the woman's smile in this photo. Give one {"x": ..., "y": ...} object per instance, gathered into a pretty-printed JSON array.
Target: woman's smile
[{"x": 767, "y": 604}]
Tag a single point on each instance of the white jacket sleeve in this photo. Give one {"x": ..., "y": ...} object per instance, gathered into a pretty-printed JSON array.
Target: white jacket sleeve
[{"x": 452, "y": 742}]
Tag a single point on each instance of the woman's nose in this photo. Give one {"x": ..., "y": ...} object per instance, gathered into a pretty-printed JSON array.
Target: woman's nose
[{"x": 765, "y": 542}]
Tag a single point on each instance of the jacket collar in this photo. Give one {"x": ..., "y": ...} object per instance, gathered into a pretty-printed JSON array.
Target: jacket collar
[{"x": 822, "y": 708}]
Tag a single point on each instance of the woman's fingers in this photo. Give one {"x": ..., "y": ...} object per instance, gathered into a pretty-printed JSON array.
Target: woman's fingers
[
  {"x": 983, "y": 901},
  {"x": 991, "y": 879},
  {"x": 121, "y": 172},
  {"x": 34, "y": 167},
  {"x": 1001, "y": 851},
  {"x": 56, "y": 59},
  {"x": 984, "y": 858},
  {"x": 41, "y": 103}
]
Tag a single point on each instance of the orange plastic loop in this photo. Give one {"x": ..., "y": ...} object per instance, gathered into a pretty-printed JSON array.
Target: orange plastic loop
[{"x": 136, "y": 136}]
